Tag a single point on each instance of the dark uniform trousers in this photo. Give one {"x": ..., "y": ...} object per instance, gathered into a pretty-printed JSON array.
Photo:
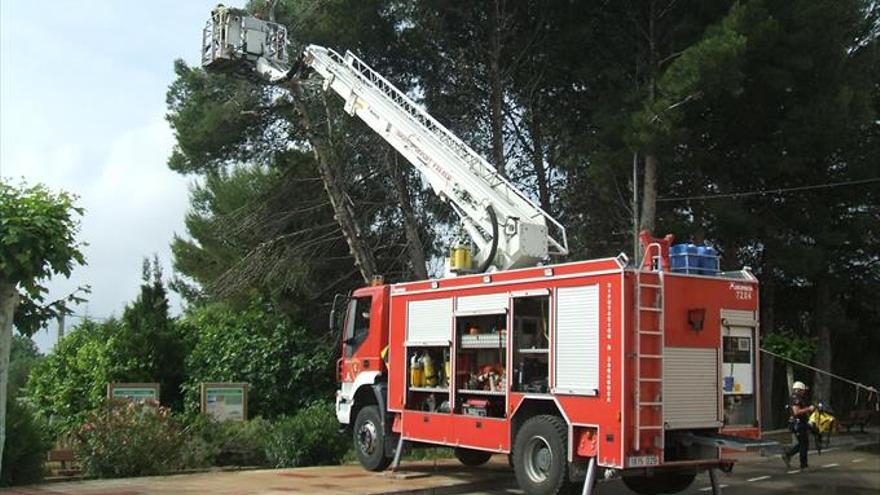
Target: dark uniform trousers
[{"x": 801, "y": 431}]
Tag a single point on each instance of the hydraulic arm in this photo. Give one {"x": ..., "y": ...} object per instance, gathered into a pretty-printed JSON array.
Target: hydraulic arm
[{"x": 506, "y": 227}]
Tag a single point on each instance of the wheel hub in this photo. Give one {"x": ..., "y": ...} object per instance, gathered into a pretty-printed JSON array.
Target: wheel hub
[
  {"x": 538, "y": 459},
  {"x": 367, "y": 435}
]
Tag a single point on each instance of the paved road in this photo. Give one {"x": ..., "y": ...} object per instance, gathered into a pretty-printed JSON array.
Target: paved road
[{"x": 841, "y": 471}]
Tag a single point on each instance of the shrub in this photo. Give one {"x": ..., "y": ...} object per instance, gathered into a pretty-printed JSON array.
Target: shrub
[
  {"x": 26, "y": 440},
  {"x": 228, "y": 443},
  {"x": 26, "y": 446},
  {"x": 283, "y": 364},
  {"x": 308, "y": 438},
  {"x": 123, "y": 438}
]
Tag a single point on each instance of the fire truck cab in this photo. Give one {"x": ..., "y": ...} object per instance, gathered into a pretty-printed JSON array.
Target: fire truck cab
[{"x": 649, "y": 372}]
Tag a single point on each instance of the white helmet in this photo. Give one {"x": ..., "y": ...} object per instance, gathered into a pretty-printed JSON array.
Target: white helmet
[{"x": 798, "y": 386}]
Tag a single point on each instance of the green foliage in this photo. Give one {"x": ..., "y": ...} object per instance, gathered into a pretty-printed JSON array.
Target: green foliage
[
  {"x": 124, "y": 438},
  {"x": 308, "y": 438},
  {"x": 283, "y": 364},
  {"x": 144, "y": 346},
  {"x": 27, "y": 443},
  {"x": 228, "y": 443},
  {"x": 38, "y": 240},
  {"x": 791, "y": 346},
  {"x": 22, "y": 358},
  {"x": 25, "y": 450},
  {"x": 151, "y": 347},
  {"x": 73, "y": 379}
]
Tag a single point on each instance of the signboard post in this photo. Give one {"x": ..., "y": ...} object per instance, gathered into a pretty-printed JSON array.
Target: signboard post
[
  {"x": 224, "y": 401},
  {"x": 138, "y": 392}
]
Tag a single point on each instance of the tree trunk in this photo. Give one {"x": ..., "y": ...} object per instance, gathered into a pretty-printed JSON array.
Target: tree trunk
[
  {"x": 768, "y": 364},
  {"x": 649, "y": 193},
  {"x": 496, "y": 96},
  {"x": 789, "y": 374},
  {"x": 8, "y": 303},
  {"x": 821, "y": 382},
  {"x": 649, "y": 185},
  {"x": 538, "y": 162},
  {"x": 328, "y": 168},
  {"x": 410, "y": 223}
]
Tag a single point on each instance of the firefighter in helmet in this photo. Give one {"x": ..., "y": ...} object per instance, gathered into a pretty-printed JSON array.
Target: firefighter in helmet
[{"x": 800, "y": 412}]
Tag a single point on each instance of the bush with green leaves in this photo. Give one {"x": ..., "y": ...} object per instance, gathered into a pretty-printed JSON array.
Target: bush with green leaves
[
  {"x": 284, "y": 364},
  {"x": 25, "y": 451},
  {"x": 308, "y": 438},
  {"x": 123, "y": 438},
  {"x": 145, "y": 345},
  {"x": 226, "y": 443}
]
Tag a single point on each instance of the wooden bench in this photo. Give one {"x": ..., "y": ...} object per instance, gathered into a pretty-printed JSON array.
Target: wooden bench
[
  {"x": 860, "y": 418},
  {"x": 66, "y": 459}
]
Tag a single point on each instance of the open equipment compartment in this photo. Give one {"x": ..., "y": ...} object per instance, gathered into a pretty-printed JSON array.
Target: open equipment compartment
[
  {"x": 481, "y": 364},
  {"x": 531, "y": 343}
]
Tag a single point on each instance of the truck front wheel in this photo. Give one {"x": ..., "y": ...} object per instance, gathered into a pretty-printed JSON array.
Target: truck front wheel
[
  {"x": 659, "y": 483},
  {"x": 369, "y": 439},
  {"x": 540, "y": 456}
]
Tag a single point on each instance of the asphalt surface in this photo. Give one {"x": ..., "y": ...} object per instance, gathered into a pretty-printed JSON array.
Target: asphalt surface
[
  {"x": 851, "y": 466},
  {"x": 850, "y": 470}
]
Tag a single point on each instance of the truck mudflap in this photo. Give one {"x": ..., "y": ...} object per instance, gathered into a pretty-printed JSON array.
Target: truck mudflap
[{"x": 712, "y": 439}]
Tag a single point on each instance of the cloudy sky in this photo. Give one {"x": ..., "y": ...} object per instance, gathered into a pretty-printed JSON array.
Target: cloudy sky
[{"x": 82, "y": 105}]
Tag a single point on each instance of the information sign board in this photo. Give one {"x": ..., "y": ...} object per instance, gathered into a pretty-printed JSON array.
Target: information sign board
[{"x": 225, "y": 401}]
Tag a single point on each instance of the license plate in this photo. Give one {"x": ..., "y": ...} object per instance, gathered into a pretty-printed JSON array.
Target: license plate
[{"x": 642, "y": 460}]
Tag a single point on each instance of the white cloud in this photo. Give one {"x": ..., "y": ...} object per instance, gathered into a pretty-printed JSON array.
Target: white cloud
[
  {"x": 134, "y": 204},
  {"x": 82, "y": 92}
]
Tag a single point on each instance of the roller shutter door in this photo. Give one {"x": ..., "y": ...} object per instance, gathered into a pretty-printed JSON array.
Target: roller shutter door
[
  {"x": 690, "y": 387},
  {"x": 577, "y": 340},
  {"x": 429, "y": 322}
]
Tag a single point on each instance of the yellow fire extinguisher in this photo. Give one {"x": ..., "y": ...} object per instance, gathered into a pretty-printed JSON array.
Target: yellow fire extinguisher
[
  {"x": 429, "y": 370},
  {"x": 416, "y": 374}
]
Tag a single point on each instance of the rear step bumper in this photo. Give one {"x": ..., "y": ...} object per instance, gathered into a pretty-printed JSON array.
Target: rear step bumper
[{"x": 710, "y": 439}]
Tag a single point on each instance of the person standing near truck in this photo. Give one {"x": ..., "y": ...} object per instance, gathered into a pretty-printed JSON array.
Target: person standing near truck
[{"x": 799, "y": 424}]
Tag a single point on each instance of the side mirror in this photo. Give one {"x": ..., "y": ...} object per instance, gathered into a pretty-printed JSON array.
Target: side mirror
[{"x": 334, "y": 312}]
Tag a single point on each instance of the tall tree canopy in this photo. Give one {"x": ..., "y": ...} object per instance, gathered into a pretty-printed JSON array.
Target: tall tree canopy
[{"x": 717, "y": 104}]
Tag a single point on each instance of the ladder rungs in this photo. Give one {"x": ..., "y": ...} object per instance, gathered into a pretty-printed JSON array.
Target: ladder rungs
[
  {"x": 652, "y": 380},
  {"x": 652, "y": 404},
  {"x": 652, "y": 286},
  {"x": 651, "y": 356},
  {"x": 649, "y": 308},
  {"x": 651, "y": 427},
  {"x": 650, "y": 332}
]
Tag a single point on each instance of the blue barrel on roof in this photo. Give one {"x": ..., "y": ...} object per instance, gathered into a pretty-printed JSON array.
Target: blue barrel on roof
[
  {"x": 710, "y": 262},
  {"x": 684, "y": 259},
  {"x": 694, "y": 260}
]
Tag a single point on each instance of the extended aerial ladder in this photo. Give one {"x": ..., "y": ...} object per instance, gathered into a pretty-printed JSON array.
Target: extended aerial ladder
[{"x": 507, "y": 229}]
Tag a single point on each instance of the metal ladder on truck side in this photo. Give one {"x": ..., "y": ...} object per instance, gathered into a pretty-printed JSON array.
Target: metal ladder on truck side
[{"x": 649, "y": 336}]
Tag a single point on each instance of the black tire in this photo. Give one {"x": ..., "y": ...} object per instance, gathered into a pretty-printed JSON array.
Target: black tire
[
  {"x": 369, "y": 439},
  {"x": 471, "y": 457},
  {"x": 660, "y": 483},
  {"x": 540, "y": 456}
]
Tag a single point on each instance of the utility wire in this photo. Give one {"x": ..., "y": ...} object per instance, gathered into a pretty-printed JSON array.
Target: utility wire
[
  {"x": 769, "y": 191},
  {"x": 832, "y": 375}
]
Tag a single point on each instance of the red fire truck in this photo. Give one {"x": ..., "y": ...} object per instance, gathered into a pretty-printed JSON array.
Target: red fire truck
[
  {"x": 594, "y": 360},
  {"x": 646, "y": 370}
]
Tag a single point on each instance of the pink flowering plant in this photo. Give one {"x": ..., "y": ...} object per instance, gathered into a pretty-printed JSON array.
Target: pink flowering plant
[{"x": 124, "y": 438}]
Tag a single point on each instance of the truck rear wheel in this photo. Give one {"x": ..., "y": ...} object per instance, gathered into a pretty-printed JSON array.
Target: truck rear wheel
[
  {"x": 471, "y": 457},
  {"x": 659, "y": 483},
  {"x": 540, "y": 457},
  {"x": 369, "y": 439}
]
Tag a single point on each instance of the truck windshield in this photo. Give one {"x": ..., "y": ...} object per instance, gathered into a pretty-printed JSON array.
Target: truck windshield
[{"x": 357, "y": 324}]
